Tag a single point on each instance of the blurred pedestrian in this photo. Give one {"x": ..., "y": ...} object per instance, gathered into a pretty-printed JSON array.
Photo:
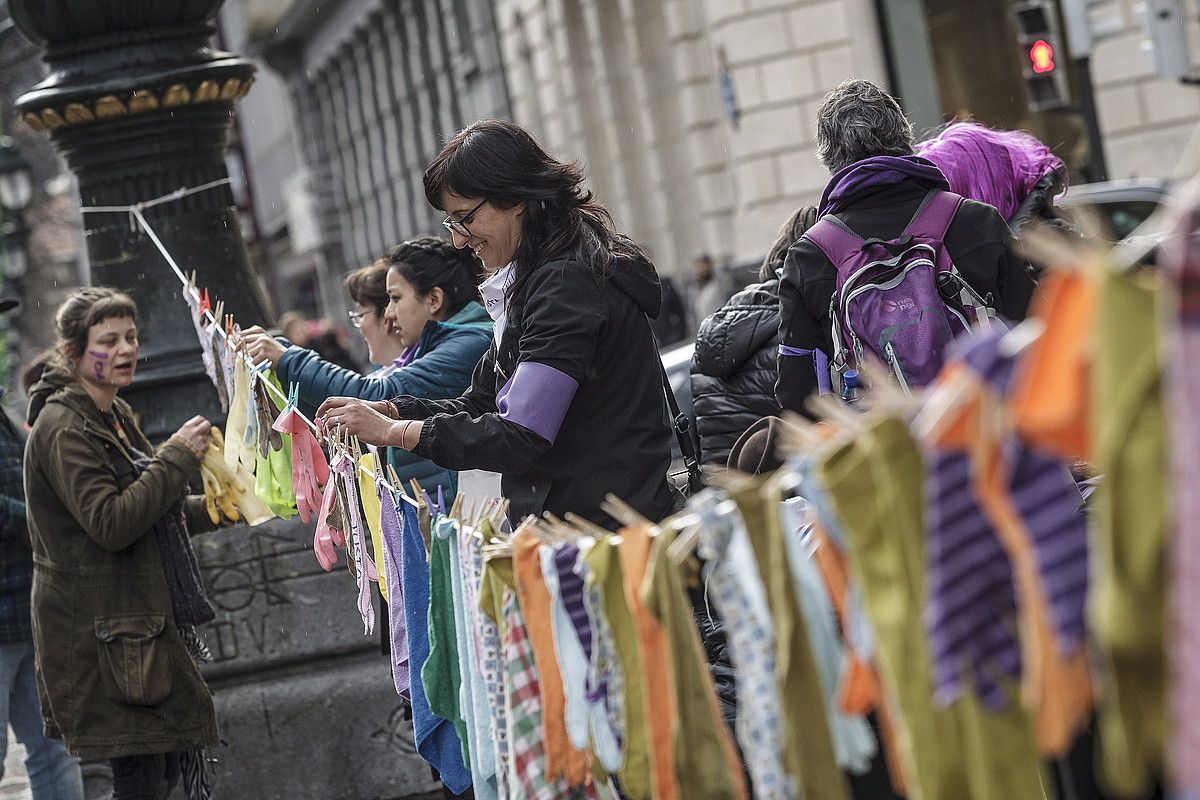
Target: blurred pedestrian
[
  {"x": 734, "y": 364},
  {"x": 53, "y": 772},
  {"x": 418, "y": 310},
  {"x": 708, "y": 293},
  {"x": 671, "y": 324},
  {"x": 117, "y": 596},
  {"x": 318, "y": 335},
  {"x": 877, "y": 187},
  {"x": 568, "y": 405}
]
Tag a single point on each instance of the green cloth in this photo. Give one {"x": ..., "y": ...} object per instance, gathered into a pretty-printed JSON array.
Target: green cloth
[
  {"x": 273, "y": 472},
  {"x": 605, "y": 572},
  {"x": 440, "y": 673},
  {"x": 808, "y": 754},
  {"x": 702, "y": 770},
  {"x": 1128, "y": 613},
  {"x": 497, "y": 578},
  {"x": 961, "y": 752}
]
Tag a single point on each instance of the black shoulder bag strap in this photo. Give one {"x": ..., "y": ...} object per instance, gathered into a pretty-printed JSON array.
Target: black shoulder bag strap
[{"x": 682, "y": 424}]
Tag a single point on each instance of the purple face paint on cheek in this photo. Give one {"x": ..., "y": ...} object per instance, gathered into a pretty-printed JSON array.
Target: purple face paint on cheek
[{"x": 98, "y": 367}]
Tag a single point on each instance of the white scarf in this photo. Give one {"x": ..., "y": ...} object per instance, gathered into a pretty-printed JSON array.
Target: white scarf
[{"x": 493, "y": 290}]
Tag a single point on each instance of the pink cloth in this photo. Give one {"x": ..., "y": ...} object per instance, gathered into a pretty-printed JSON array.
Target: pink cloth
[
  {"x": 310, "y": 470},
  {"x": 1181, "y": 380}
]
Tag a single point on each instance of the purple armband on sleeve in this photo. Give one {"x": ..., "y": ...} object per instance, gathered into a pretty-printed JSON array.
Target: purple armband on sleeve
[
  {"x": 537, "y": 397},
  {"x": 820, "y": 365}
]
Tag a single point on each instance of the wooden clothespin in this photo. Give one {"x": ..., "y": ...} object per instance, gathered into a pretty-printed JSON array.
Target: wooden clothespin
[
  {"x": 396, "y": 483},
  {"x": 586, "y": 525},
  {"x": 622, "y": 512},
  {"x": 456, "y": 509}
]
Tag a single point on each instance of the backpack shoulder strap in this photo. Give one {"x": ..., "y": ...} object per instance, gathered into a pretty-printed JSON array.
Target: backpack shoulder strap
[
  {"x": 934, "y": 215},
  {"x": 834, "y": 239}
]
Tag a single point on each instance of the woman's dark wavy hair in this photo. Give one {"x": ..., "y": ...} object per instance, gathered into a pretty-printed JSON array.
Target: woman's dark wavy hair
[
  {"x": 429, "y": 261},
  {"x": 500, "y": 161}
]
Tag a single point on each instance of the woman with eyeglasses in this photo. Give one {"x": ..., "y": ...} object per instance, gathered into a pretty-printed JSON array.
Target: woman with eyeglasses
[
  {"x": 418, "y": 311},
  {"x": 568, "y": 403}
]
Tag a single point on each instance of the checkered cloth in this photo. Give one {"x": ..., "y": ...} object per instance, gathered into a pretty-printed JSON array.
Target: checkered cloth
[{"x": 527, "y": 777}]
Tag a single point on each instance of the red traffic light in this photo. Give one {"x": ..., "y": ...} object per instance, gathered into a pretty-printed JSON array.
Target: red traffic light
[{"x": 1041, "y": 56}]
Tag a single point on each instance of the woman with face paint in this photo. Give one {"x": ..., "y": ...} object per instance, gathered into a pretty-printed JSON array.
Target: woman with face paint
[
  {"x": 568, "y": 403},
  {"x": 418, "y": 310},
  {"x": 117, "y": 596}
]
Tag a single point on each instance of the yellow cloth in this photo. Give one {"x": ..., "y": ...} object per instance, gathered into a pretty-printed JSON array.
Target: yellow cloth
[
  {"x": 1128, "y": 602},
  {"x": 372, "y": 511},
  {"x": 958, "y": 753}
]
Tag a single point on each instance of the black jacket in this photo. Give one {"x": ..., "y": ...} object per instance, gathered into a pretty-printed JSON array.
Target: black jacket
[
  {"x": 572, "y": 406},
  {"x": 978, "y": 243},
  {"x": 734, "y": 368}
]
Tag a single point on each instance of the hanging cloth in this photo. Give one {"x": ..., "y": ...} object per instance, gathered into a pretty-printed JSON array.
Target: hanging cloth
[
  {"x": 235, "y": 423},
  {"x": 197, "y": 305},
  {"x": 391, "y": 529},
  {"x": 1181, "y": 383},
  {"x": 563, "y": 760},
  {"x": 962, "y": 752},
  {"x": 705, "y": 759},
  {"x": 440, "y": 672},
  {"x": 627, "y": 698},
  {"x": 437, "y": 742},
  {"x": 367, "y": 477},
  {"x": 1127, "y": 606},
  {"x": 733, "y": 584},
  {"x": 273, "y": 458},
  {"x": 345, "y": 467},
  {"x": 472, "y": 696},
  {"x": 310, "y": 470}
]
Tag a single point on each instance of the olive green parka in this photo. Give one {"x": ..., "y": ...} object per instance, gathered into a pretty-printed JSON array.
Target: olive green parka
[{"x": 115, "y": 677}]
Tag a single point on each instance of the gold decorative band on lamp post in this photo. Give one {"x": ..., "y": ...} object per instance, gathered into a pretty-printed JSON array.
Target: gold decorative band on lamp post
[{"x": 139, "y": 101}]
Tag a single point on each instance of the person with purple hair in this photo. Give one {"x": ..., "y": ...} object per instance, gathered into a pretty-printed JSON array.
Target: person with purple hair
[{"x": 1013, "y": 171}]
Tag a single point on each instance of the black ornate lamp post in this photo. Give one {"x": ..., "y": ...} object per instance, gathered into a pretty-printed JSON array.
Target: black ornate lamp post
[{"x": 139, "y": 104}]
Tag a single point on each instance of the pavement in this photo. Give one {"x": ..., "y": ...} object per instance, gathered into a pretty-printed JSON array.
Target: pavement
[{"x": 14, "y": 785}]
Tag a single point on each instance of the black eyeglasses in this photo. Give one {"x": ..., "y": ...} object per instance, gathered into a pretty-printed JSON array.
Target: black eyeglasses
[
  {"x": 356, "y": 318},
  {"x": 459, "y": 225}
]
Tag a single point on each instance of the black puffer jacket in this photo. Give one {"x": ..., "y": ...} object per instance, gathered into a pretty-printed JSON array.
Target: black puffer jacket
[{"x": 734, "y": 368}]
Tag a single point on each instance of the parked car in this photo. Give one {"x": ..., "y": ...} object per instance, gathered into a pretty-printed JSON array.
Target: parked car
[{"x": 1123, "y": 205}]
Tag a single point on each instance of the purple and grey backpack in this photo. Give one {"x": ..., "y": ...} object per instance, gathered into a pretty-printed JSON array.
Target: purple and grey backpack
[{"x": 901, "y": 300}]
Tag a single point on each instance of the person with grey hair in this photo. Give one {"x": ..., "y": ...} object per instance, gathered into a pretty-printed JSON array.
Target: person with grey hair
[{"x": 877, "y": 187}]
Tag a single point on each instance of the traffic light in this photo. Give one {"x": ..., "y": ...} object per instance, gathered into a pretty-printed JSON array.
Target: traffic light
[{"x": 1043, "y": 54}]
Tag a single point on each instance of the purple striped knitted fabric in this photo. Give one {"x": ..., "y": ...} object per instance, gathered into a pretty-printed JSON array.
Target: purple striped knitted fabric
[
  {"x": 1048, "y": 502},
  {"x": 971, "y": 612},
  {"x": 571, "y": 589}
]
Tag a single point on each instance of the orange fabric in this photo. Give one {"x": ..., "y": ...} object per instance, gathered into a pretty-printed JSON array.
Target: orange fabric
[
  {"x": 562, "y": 759},
  {"x": 859, "y": 691},
  {"x": 1056, "y": 689},
  {"x": 661, "y": 718},
  {"x": 1050, "y": 398}
]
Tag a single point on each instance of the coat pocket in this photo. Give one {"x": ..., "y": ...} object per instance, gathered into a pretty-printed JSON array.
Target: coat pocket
[{"x": 135, "y": 660}]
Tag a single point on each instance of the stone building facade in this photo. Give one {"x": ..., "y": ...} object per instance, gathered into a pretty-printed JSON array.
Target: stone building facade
[
  {"x": 696, "y": 118},
  {"x": 375, "y": 87},
  {"x": 1146, "y": 121}
]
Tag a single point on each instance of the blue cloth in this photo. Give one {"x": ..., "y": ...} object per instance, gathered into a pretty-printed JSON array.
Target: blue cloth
[
  {"x": 437, "y": 741},
  {"x": 440, "y": 369},
  {"x": 853, "y": 741},
  {"x": 472, "y": 699},
  {"x": 16, "y": 557},
  {"x": 53, "y": 772}
]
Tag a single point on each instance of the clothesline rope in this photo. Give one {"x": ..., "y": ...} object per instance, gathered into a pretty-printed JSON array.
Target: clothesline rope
[{"x": 135, "y": 212}]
